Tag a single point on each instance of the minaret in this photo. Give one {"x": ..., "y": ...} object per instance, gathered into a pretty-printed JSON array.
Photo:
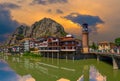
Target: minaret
[{"x": 85, "y": 38}]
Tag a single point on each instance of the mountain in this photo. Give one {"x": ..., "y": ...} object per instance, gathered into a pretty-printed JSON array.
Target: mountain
[
  {"x": 20, "y": 33},
  {"x": 42, "y": 28},
  {"x": 47, "y": 27}
]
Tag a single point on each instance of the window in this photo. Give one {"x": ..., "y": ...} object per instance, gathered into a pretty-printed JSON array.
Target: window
[
  {"x": 72, "y": 42},
  {"x": 66, "y": 43}
]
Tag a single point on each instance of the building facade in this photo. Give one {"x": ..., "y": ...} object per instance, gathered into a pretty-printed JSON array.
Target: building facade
[
  {"x": 106, "y": 47},
  {"x": 54, "y": 46}
]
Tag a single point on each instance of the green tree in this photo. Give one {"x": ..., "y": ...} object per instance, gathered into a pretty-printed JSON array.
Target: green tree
[
  {"x": 94, "y": 46},
  {"x": 117, "y": 41},
  {"x": 20, "y": 37}
]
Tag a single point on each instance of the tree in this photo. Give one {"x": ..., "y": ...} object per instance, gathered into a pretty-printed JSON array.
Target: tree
[
  {"x": 117, "y": 41},
  {"x": 20, "y": 37},
  {"x": 94, "y": 46}
]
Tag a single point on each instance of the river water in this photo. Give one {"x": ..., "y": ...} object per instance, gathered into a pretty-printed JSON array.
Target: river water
[{"x": 19, "y": 68}]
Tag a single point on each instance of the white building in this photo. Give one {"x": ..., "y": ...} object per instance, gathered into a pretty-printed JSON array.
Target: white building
[
  {"x": 26, "y": 45},
  {"x": 105, "y": 46}
]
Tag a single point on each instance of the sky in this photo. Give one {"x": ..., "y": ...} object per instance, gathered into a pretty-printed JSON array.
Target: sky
[{"x": 101, "y": 15}]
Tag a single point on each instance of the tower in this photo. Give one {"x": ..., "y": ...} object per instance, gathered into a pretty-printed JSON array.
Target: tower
[{"x": 85, "y": 38}]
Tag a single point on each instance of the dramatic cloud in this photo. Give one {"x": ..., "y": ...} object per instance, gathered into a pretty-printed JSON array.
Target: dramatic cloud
[
  {"x": 58, "y": 11},
  {"x": 45, "y": 2},
  {"x": 9, "y": 6},
  {"x": 92, "y": 21},
  {"x": 7, "y": 24}
]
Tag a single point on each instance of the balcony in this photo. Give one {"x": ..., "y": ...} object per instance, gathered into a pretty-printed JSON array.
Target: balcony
[
  {"x": 68, "y": 45},
  {"x": 43, "y": 46},
  {"x": 49, "y": 50},
  {"x": 68, "y": 50}
]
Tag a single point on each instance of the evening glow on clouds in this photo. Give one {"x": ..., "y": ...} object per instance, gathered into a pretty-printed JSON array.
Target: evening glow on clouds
[{"x": 102, "y": 16}]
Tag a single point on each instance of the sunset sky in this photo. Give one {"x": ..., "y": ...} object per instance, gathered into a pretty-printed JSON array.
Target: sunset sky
[{"x": 103, "y": 16}]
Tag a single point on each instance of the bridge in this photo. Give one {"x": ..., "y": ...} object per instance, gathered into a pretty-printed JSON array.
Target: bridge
[{"x": 113, "y": 57}]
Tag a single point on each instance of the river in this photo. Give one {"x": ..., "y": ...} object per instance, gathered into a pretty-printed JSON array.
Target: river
[{"x": 19, "y": 68}]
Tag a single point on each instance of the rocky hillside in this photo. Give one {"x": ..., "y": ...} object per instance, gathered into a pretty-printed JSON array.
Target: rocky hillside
[
  {"x": 47, "y": 27},
  {"x": 44, "y": 27},
  {"x": 20, "y": 33},
  {"x": 22, "y": 30}
]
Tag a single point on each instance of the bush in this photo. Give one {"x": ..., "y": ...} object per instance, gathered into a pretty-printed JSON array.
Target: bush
[
  {"x": 31, "y": 54},
  {"x": 20, "y": 37}
]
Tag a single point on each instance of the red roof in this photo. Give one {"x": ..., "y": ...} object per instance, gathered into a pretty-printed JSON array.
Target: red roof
[{"x": 67, "y": 39}]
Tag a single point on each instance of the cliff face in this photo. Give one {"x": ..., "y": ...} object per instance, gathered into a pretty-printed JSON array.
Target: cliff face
[
  {"x": 20, "y": 33},
  {"x": 22, "y": 30},
  {"x": 47, "y": 27},
  {"x": 44, "y": 27}
]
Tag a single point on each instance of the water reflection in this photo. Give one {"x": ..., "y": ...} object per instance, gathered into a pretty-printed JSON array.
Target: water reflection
[
  {"x": 48, "y": 69},
  {"x": 95, "y": 75},
  {"x": 81, "y": 78},
  {"x": 7, "y": 74},
  {"x": 26, "y": 78}
]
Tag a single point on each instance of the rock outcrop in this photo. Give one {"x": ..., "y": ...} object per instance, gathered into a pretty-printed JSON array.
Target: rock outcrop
[
  {"x": 47, "y": 27},
  {"x": 42, "y": 28},
  {"x": 20, "y": 33}
]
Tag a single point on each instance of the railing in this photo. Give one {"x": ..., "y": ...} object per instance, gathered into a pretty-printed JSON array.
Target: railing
[
  {"x": 49, "y": 50},
  {"x": 68, "y": 49},
  {"x": 105, "y": 52},
  {"x": 114, "y": 51}
]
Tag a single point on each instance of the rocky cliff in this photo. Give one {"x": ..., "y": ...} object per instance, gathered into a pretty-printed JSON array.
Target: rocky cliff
[
  {"x": 20, "y": 33},
  {"x": 47, "y": 27},
  {"x": 42, "y": 28}
]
